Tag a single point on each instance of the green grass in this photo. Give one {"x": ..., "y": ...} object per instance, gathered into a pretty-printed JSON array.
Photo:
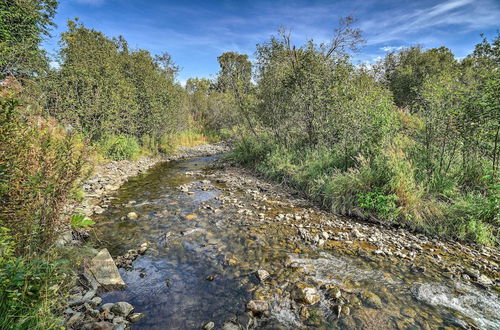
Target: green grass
[{"x": 120, "y": 147}]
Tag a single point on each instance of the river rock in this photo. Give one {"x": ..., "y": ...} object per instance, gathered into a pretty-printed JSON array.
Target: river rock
[
  {"x": 121, "y": 326},
  {"x": 118, "y": 320},
  {"x": 107, "y": 306},
  {"x": 134, "y": 317},
  {"x": 209, "y": 326},
  {"x": 306, "y": 293},
  {"x": 96, "y": 301},
  {"x": 132, "y": 216},
  {"x": 143, "y": 248},
  {"x": 372, "y": 300},
  {"x": 122, "y": 308},
  {"x": 263, "y": 275},
  {"x": 230, "y": 326},
  {"x": 257, "y": 306},
  {"x": 245, "y": 321},
  {"x": 103, "y": 269},
  {"x": 484, "y": 280},
  {"x": 74, "y": 319},
  {"x": 101, "y": 325},
  {"x": 406, "y": 311}
]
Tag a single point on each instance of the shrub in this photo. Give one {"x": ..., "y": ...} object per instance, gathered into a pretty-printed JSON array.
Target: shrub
[
  {"x": 40, "y": 163},
  {"x": 120, "y": 147},
  {"x": 379, "y": 203}
]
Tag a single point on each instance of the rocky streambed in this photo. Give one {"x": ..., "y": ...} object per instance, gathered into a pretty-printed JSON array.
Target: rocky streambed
[{"x": 226, "y": 249}]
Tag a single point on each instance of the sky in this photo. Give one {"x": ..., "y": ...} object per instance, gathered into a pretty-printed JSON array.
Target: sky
[{"x": 196, "y": 32}]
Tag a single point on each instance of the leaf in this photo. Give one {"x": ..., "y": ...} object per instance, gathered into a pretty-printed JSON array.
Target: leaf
[{"x": 80, "y": 220}]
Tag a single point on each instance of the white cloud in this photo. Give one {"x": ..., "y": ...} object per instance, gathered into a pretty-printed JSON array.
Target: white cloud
[{"x": 391, "y": 48}]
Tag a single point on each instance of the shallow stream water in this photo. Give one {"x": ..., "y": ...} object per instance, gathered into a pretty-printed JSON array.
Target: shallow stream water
[{"x": 204, "y": 254}]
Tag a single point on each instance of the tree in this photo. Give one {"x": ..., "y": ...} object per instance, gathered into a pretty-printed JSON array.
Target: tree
[
  {"x": 235, "y": 73},
  {"x": 90, "y": 91},
  {"x": 406, "y": 70},
  {"x": 23, "y": 23}
]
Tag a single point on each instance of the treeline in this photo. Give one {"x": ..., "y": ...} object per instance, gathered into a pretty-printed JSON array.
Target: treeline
[
  {"x": 103, "y": 88},
  {"x": 413, "y": 140}
]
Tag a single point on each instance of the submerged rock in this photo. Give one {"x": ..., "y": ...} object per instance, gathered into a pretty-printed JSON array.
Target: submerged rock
[
  {"x": 372, "y": 300},
  {"x": 262, "y": 275},
  {"x": 209, "y": 325},
  {"x": 257, "y": 306},
  {"x": 132, "y": 216}
]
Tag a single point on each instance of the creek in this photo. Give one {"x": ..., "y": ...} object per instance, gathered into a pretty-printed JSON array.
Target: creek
[{"x": 210, "y": 233}]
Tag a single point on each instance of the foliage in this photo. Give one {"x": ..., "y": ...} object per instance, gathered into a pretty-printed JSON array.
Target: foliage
[
  {"x": 104, "y": 88},
  {"x": 120, "y": 147},
  {"x": 39, "y": 165},
  {"x": 22, "y": 25},
  {"x": 235, "y": 72},
  {"x": 333, "y": 131},
  {"x": 29, "y": 288},
  {"x": 211, "y": 109},
  {"x": 381, "y": 204},
  {"x": 81, "y": 221},
  {"x": 405, "y": 71}
]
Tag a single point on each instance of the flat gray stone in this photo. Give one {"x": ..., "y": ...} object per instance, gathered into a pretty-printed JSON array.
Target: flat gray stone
[{"x": 103, "y": 269}]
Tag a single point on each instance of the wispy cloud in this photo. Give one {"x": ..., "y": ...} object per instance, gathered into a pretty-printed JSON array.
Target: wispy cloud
[
  {"x": 91, "y": 2},
  {"x": 463, "y": 15}
]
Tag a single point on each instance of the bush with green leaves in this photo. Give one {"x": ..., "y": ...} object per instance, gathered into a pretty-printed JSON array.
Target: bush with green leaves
[
  {"x": 40, "y": 164},
  {"x": 120, "y": 147},
  {"x": 104, "y": 88}
]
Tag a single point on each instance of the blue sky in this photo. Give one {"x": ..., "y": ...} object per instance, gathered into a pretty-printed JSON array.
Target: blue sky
[{"x": 196, "y": 32}]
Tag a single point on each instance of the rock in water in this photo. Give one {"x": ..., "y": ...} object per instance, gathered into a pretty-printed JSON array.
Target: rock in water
[
  {"x": 135, "y": 317},
  {"x": 230, "y": 326},
  {"x": 484, "y": 280},
  {"x": 132, "y": 216},
  {"x": 372, "y": 300},
  {"x": 209, "y": 325},
  {"x": 306, "y": 293},
  {"x": 262, "y": 274},
  {"x": 257, "y": 306},
  {"x": 122, "y": 308},
  {"x": 104, "y": 270}
]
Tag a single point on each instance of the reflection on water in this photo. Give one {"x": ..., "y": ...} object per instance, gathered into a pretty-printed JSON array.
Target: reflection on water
[{"x": 201, "y": 266}]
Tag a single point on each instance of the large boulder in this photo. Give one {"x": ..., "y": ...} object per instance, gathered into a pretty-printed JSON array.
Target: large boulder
[{"x": 103, "y": 269}]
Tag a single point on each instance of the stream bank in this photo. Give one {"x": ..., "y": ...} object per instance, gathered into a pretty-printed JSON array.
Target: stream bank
[{"x": 231, "y": 250}]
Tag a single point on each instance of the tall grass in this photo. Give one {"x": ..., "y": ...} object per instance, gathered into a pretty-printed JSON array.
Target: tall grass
[{"x": 40, "y": 164}]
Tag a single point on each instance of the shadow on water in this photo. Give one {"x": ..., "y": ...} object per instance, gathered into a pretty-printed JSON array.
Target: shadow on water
[{"x": 202, "y": 262}]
